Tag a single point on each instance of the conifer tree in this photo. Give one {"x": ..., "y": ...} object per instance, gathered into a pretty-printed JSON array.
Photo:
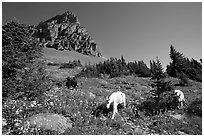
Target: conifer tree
[
  {"x": 182, "y": 67},
  {"x": 130, "y": 67},
  {"x": 159, "y": 84},
  {"x": 152, "y": 67},
  {"x": 114, "y": 68},
  {"x": 143, "y": 70},
  {"x": 23, "y": 70},
  {"x": 177, "y": 64},
  {"x": 123, "y": 63}
]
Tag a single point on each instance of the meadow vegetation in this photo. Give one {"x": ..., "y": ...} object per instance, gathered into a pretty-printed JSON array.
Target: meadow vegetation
[{"x": 29, "y": 87}]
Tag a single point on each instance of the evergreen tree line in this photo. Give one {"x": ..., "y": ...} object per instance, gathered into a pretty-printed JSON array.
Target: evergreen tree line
[
  {"x": 116, "y": 67},
  {"x": 71, "y": 64},
  {"x": 180, "y": 67}
]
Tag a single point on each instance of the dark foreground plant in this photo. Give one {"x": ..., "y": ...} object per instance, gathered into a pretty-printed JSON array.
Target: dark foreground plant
[{"x": 195, "y": 108}]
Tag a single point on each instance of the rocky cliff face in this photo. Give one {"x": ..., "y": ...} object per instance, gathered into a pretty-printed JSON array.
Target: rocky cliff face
[{"x": 64, "y": 32}]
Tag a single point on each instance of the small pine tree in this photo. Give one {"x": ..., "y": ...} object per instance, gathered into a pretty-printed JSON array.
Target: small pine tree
[
  {"x": 159, "y": 84},
  {"x": 157, "y": 70}
]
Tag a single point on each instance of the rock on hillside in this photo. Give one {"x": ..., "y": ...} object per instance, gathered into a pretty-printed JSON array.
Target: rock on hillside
[
  {"x": 64, "y": 32},
  {"x": 48, "y": 121}
]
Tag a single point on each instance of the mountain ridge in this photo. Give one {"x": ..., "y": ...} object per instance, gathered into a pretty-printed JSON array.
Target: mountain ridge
[{"x": 64, "y": 32}]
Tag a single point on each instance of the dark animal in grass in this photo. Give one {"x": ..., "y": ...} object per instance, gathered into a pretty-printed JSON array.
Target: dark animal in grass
[
  {"x": 103, "y": 110},
  {"x": 71, "y": 83}
]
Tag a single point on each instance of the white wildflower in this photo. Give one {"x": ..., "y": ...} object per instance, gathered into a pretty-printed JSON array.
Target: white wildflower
[
  {"x": 17, "y": 124},
  {"x": 51, "y": 103},
  {"x": 17, "y": 111},
  {"x": 33, "y": 103},
  {"x": 4, "y": 122}
]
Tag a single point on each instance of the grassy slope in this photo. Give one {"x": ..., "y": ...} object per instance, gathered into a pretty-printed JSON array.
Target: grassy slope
[
  {"x": 137, "y": 88},
  {"x": 77, "y": 105},
  {"x": 94, "y": 90},
  {"x": 133, "y": 87},
  {"x": 56, "y": 56}
]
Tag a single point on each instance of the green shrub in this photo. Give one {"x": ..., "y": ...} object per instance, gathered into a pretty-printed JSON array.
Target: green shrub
[
  {"x": 71, "y": 64},
  {"x": 53, "y": 64},
  {"x": 195, "y": 108},
  {"x": 89, "y": 71}
]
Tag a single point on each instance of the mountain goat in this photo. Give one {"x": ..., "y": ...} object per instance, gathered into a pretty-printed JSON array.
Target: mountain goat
[
  {"x": 116, "y": 98},
  {"x": 181, "y": 97}
]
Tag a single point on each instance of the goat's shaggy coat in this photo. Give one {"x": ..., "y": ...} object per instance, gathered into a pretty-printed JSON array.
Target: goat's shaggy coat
[
  {"x": 181, "y": 99},
  {"x": 116, "y": 98}
]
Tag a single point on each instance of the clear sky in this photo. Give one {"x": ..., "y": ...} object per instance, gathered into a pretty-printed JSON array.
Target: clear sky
[{"x": 138, "y": 31}]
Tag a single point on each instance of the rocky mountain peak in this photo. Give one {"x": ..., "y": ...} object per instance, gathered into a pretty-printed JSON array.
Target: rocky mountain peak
[
  {"x": 67, "y": 17},
  {"x": 64, "y": 32}
]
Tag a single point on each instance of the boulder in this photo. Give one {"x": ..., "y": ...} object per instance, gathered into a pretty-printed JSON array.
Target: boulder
[{"x": 48, "y": 121}]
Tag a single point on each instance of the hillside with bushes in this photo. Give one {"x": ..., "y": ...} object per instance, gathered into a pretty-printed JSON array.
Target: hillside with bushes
[{"x": 54, "y": 90}]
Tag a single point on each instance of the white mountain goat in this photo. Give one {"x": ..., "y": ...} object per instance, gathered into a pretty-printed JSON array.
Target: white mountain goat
[
  {"x": 115, "y": 99},
  {"x": 181, "y": 100}
]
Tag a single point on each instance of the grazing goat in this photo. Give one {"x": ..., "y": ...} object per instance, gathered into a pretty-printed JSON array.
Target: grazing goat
[
  {"x": 116, "y": 98},
  {"x": 181, "y": 97}
]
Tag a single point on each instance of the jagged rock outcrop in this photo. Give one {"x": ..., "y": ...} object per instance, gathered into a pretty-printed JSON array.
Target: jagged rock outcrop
[{"x": 64, "y": 32}]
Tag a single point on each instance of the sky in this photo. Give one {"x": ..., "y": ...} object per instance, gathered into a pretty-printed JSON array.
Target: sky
[{"x": 134, "y": 30}]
